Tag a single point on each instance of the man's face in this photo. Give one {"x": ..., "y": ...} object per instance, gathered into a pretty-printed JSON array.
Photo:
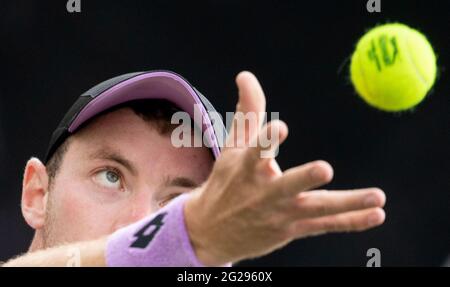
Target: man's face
[{"x": 117, "y": 170}]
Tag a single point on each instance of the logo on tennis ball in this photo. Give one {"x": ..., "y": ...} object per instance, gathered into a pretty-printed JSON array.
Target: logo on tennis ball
[
  {"x": 389, "y": 51},
  {"x": 393, "y": 67}
]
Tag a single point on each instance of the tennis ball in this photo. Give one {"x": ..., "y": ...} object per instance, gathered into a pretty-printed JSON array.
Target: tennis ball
[{"x": 393, "y": 67}]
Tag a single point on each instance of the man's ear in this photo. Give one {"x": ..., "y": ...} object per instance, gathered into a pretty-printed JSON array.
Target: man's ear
[{"x": 34, "y": 193}]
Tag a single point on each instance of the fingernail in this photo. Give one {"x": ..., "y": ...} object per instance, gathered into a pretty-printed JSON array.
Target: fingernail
[
  {"x": 370, "y": 201},
  {"x": 373, "y": 219}
]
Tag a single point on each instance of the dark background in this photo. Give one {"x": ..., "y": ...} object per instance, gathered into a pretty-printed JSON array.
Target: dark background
[{"x": 296, "y": 48}]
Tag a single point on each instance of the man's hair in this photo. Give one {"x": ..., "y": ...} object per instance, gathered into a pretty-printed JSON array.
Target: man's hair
[{"x": 157, "y": 112}]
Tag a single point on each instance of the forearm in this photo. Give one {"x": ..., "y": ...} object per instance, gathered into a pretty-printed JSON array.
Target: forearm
[
  {"x": 88, "y": 253},
  {"x": 161, "y": 239}
]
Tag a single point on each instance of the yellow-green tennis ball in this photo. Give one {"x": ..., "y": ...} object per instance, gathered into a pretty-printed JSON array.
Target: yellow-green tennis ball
[{"x": 393, "y": 67}]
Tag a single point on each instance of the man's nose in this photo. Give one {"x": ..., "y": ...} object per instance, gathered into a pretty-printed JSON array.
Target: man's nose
[
  {"x": 141, "y": 206},
  {"x": 136, "y": 209}
]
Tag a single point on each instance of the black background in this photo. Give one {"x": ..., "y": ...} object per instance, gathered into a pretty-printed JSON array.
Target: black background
[{"x": 296, "y": 48}]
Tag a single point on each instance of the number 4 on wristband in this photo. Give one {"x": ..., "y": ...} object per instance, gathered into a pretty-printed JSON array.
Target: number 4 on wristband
[{"x": 143, "y": 238}]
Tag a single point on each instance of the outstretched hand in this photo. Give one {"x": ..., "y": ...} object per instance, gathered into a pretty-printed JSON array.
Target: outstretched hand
[{"x": 248, "y": 207}]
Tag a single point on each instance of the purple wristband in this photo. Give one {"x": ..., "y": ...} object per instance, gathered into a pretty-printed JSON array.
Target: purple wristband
[{"x": 158, "y": 240}]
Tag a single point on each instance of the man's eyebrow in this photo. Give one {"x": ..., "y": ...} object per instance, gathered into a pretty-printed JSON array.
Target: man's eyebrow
[
  {"x": 181, "y": 182},
  {"x": 109, "y": 154}
]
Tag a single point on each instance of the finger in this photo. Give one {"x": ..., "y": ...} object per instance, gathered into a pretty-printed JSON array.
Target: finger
[
  {"x": 344, "y": 222},
  {"x": 250, "y": 110},
  {"x": 323, "y": 203},
  {"x": 265, "y": 145},
  {"x": 270, "y": 169},
  {"x": 304, "y": 177}
]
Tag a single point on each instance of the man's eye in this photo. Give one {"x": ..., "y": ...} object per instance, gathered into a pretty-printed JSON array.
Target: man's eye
[{"x": 108, "y": 179}]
